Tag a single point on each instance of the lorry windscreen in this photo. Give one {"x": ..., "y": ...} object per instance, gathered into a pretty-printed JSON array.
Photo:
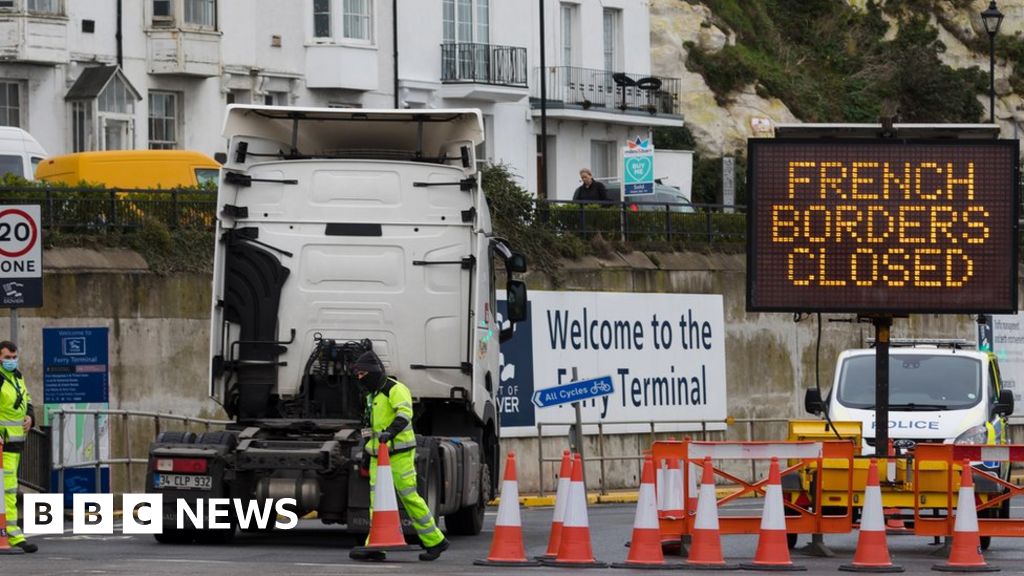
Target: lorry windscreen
[{"x": 916, "y": 382}]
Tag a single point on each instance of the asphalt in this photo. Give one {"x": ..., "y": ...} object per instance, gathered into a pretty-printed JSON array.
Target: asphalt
[{"x": 313, "y": 550}]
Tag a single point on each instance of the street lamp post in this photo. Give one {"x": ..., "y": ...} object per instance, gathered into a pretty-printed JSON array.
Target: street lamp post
[{"x": 992, "y": 18}]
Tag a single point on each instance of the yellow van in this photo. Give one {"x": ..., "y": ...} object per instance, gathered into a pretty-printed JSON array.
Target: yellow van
[{"x": 132, "y": 169}]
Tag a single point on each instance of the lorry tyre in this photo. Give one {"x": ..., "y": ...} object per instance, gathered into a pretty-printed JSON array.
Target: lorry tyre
[
  {"x": 469, "y": 521},
  {"x": 176, "y": 437},
  {"x": 174, "y": 536},
  {"x": 218, "y": 438},
  {"x": 216, "y": 537}
]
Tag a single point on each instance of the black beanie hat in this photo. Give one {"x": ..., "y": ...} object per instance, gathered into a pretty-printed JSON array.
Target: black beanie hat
[{"x": 368, "y": 362}]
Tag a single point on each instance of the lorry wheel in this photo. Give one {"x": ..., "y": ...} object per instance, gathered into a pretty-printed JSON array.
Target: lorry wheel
[
  {"x": 173, "y": 536},
  {"x": 218, "y": 438},
  {"x": 986, "y": 541},
  {"x": 215, "y": 537},
  {"x": 470, "y": 521},
  {"x": 791, "y": 540},
  {"x": 176, "y": 437}
]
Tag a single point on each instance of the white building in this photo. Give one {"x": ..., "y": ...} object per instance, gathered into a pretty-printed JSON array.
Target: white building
[{"x": 107, "y": 74}]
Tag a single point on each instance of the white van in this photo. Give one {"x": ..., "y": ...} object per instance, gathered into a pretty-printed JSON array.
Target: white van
[
  {"x": 20, "y": 153},
  {"x": 940, "y": 391}
]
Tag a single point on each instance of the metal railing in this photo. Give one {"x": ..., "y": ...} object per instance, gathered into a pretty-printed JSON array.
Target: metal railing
[
  {"x": 655, "y": 221},
  {"x": 483, "y": 64},
  {"x": 99, "y": 209},
  {"x": 125, "y": 457},
  {"x": 35, "y": 466},
  {"x": 589, "y": 88}
]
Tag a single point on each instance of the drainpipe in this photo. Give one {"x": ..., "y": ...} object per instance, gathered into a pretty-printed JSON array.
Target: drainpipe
[
  {"x": 394, "y": 41},
  {"x": 118, "y": 38},
  {"x": 543, "y": 110}
]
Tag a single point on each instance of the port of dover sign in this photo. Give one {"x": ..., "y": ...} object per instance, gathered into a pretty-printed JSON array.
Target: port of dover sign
[{"x": 664, "y": 353}]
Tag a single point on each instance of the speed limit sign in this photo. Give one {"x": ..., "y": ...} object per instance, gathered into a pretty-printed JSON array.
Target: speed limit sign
[{"x": 21, "y": 257}]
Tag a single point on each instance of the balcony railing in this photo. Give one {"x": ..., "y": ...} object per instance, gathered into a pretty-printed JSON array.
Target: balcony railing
[
  {"x": 483, "y": 64},
  {"x": 588, "y": 88}
]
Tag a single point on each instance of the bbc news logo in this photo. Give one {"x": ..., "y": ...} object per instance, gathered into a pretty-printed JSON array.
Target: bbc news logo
[{"x": 144, "y": 514}]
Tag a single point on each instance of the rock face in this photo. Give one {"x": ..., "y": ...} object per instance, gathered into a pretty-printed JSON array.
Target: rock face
[{"x": 725, "y": 128}]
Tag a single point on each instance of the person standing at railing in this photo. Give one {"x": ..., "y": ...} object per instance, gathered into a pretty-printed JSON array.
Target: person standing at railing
[
  {"x": 16, "y": 419},
  {"x": 591, "y": 190}
]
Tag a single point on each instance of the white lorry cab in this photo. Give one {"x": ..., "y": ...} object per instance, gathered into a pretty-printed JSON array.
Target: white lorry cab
[
  {"x": 940, "y": 391},
  {"x": 340, "y": 231},
  {"x": 20, "y": 153}
]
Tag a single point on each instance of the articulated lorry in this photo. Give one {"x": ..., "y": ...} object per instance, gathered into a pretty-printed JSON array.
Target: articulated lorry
[{"x": 341, "y": 230}]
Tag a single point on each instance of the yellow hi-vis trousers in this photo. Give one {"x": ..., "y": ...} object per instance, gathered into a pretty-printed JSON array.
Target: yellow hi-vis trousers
[
  {"x": 403, "y": 470},
  {"x": 11, "y": 460}
]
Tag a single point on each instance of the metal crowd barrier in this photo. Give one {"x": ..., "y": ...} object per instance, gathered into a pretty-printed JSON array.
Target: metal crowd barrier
[{"x": 127, "y": 460}]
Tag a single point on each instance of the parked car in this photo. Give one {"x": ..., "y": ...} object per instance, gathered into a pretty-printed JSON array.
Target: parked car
[
  {"x": 20, "y": 153},
  {"x": 663, "y": 195}
]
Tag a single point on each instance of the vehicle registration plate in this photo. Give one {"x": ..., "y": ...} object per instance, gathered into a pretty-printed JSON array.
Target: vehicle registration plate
[{"x": 182, "y": 481}]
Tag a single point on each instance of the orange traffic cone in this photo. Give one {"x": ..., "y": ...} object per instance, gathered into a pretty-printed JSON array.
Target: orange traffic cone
[
  {"x": 772, "y": 549},
  {"x": 965, "y": 555},
  {"x": 385, "y": 523},
  {"x": 5, "y": 545},
  {"x": 872, "y": 551},
  {"x": 673, "y": 503},
  {"x": 645, "y": 547},
  {"x": 659, "y": 485},
  {"x": 561, "y": 499},
  {"x": 574, "y": 549},
  {"x": 706, "y": 550},
  {"x": 507, "y": 545}
]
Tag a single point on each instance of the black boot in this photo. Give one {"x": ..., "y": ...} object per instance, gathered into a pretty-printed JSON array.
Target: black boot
[
  {"x": 27, "y": 546},
  {"x": 376, "y": 555},
  {"x": 434, "y": 552}
]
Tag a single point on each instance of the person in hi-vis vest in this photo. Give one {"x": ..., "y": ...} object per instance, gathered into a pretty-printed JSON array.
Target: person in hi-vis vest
[
  {"x": 16, "y": 418},
  {"x": 389, "y": 411}
]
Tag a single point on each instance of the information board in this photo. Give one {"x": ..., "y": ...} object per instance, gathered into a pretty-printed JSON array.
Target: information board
[{"x": 882, "y": 226}]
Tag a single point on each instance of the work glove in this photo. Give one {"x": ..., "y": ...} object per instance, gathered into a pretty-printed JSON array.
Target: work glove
[{"x": 384, "y": 437}]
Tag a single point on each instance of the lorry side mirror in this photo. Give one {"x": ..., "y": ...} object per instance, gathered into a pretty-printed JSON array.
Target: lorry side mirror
[
  {"x": 812, "y": 401},
  {"x": 515, "y": 296},
  {"x": 516, "y": 262},
  {"x": 1004, "y": 406}
]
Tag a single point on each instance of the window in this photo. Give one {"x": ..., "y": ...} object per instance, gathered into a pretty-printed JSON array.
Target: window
[
  {"x": 10, "y": 164},
  {"x": 612, "y": 39},
  {"x": 321, "y": 18},
  {"x": 467, "y": 22},
  {"x": 10, "y": 104},
  {"x": 602, "y": 158},
  {"x": 916, "y": 382},
  {"x": 44, "y": 6},
  {"x": 568, "y": 28},
  {"x": 6, "y": 4},
  {"x": 357, "y": 19},
  {"x": 202, "y": 13},
  {"x": 163, "y": 11},
  {"x": 82, "y": 126},
  {"x": 163, "y": 121}
]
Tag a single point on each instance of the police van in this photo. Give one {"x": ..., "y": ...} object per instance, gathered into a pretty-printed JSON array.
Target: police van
[{"x": 940, "y": 391}]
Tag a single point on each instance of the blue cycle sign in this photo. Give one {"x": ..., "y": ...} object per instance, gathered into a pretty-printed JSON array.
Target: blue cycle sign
[
  {"x": 638, "y": 168},
  {"x": 573, "y": 392}
]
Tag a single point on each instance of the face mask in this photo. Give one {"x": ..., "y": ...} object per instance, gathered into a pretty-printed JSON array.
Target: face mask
[{"x": 10, "y": 364}]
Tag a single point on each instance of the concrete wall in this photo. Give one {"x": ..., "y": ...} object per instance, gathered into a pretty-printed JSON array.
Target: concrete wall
[{"x": 159, "y": 332}]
